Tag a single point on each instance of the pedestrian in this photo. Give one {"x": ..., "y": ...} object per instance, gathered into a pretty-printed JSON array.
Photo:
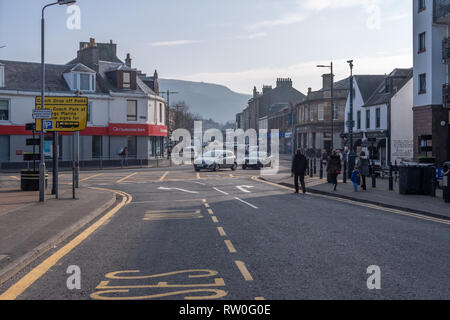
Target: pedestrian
[
  {"x": 299, "y": 167},
  {"x": 363, "y": 165},
  {"x": 334, "y": 168},
  {"x": 124, "y": 154},
  {"x": 356, "y": 175}
]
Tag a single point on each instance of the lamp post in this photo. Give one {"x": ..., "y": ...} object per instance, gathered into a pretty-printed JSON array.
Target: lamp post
[
  {"x": 332, "y": 101},
  {"x": 352, "y": 154},
  {"x": 41, "y": 151}
]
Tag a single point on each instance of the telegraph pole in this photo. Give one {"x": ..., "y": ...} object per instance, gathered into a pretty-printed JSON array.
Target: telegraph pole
[{"x": 352, "y": 154}]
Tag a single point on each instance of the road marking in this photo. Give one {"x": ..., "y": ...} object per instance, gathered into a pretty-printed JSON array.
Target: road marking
[
  {"x": 230, "y": 246},
  {"x": 221, "y": 232},
  {"x": 158, "y": 215},
  {"x": 127, "y": 177},
  {"x": 165, "y": 201},
  {"x": 15, "y": 178},
  {"x": 210, "y": 212},
  {"x": 244, "y": 188},
  {"x": 207, "y": 205},
  {"x": 365, "y": 205},
  {"x": 204, "y": 200},
  {"x": 214, "y": 219},
  {"x": 200, "y": 183},
  {"x": 243, "y": 269},
  {"x": 183, "y": 190},
  {"x": 223, "y": 192},
  {"x": 163, "y": 176},
  {"x": 26, "y": 281},
  {"x": 259, "y": 299},
  {"x": 249, "y": 204},
  {"x": 95, "y": 175},
  {"x": 198, "y": 175},
  {"x": 231, "y": 175}
]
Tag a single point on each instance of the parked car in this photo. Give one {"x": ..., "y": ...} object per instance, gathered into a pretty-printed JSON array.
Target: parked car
[
  {"x": 257, "y": 160},
  {"x": 215, "y": 160}
]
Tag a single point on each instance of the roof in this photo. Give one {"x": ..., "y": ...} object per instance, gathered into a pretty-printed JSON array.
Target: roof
[
  {"x": 367, "y": 84},
  {"x": 399, "y": 78},
  {"x": 340, "y": 91},
  {"x": 79, "y": 67}
]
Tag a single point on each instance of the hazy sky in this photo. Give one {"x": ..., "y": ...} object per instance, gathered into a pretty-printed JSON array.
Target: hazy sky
[{"x": 238, "y": 43}]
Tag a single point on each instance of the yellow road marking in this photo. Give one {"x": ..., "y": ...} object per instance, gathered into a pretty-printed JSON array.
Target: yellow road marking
[
  {"x": 25, "y": 282},
  {"x": 164, "y": 176},
  {"x": 15, "y": 178},
  {"x": 214, "y": 219},
  {"x": 95, "y": 175},
  {"x": 230, "y": 246},
  {"x": 206, "y": 205},
  {"x": 221, "y": 232},
  {"x": 365, "y": 205},
  {"x": 210, "y": 212},
  {"x": 204, "y": 200},
  {"x": 243, "y": 269},
  {"x": 127, "y": 177},
  {"x": 259, "y": 298},
  {"x": 198, "y": 176}
]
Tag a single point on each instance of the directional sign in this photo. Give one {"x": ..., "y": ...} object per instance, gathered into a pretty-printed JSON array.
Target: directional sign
[
  {"x": 42, "y": 114},
  {"x": 69, "y": 114}
]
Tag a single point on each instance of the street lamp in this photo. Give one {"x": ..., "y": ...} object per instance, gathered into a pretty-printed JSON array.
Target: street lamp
[
  {"x": 42, "y": 160},
  {"x": 332, "y": 101},
  {"x": 352, "y": 154}
]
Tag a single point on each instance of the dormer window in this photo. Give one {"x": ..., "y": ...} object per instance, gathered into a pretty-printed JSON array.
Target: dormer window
[
  {"x": 126, "y": 80},
  {"x": 2, "y": 76},
  {"x": 81, "y": 78}
]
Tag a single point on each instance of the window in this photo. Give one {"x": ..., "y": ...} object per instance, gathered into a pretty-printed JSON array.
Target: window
[
  {"x": 126, "y": 80},
  {"x": 367, "y": 119},
  {"x": 83, "y": 82},
  {"x": 378, "y": 117},
  {"x": 421, "y": 5},
  {"x": 131, "y": 110},
  {"x": 160, "y": 113},
  {"x": 132, "y": 146},
  {"x": 311, "y": 113},
  {"x": 358, "y": 120},
  {"x": 335, "y": 112},
  {"x": 97, "y": 147},
  {"x": 320, "y": 113},
  {"x": 89, "y": 112},
  {"x": 4, "y": 110},
  {"x": 2, "y": 76},
  {"x": 422, "y": 47},
  {"x": 4, "y": 148},
  {"x": 422, "y": 83}
]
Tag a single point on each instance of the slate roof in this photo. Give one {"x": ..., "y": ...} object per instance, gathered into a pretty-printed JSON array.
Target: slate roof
[
  {"x": 340, "y": 91},
  {"x": 367, "y": 84},
  {"x": 399, "y": 78}
]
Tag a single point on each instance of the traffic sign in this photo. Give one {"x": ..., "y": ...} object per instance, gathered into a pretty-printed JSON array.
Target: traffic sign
[
  {"x": 42, "y": 114},
  {"x": 350, "y": 124},
  {"x": 69, "y": 114}
]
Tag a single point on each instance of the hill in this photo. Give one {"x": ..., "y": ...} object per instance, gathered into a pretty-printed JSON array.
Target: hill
[{"x": 208, "y": 100}]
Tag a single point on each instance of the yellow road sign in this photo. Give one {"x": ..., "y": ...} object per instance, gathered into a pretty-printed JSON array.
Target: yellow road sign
[{"x": 68, "y": 114}]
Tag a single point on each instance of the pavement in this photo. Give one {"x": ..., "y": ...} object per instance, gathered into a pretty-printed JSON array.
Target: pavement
[{"x": 229, "y": 235}]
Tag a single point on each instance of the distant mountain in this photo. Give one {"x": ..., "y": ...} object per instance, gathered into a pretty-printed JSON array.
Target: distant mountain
[{"x": 208, "y": 100}]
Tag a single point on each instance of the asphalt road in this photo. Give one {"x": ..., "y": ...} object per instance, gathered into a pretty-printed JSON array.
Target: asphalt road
[{"x": 225, "y": 235}]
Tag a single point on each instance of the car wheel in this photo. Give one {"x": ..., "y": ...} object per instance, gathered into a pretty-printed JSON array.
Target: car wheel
[
  {"x": 214, "y": 168},
  {"x": 244, "y": 167},
  {"x": 197, "y": 170},
  {"x": 234, "y": 167}
]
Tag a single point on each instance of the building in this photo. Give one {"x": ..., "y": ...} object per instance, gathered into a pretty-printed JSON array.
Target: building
[
  {"x": 314, "y": 124},
  {"x": 284, "y": 121},
  {"x": 382, "y": 115},
  {"x": 123, "y": 111},
  {"x": 431, "y": 20}
]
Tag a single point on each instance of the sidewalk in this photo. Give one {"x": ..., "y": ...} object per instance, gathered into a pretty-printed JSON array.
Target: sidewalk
[
  {"x": 28, "y": 228},
  {"x": 380, "y": 195}
]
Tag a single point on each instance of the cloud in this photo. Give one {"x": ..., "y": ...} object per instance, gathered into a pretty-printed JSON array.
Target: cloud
[
  {"x": 303, "y": 74},
  {"x": 174, "y": 43},
  {"x": 252, "y": 36}
]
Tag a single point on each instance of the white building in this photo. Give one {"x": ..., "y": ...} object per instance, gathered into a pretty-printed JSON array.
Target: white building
[
  {"x": 124, "y": 111},
  {"x": 382, "y": 106},
  {"x": 431, "y": 20}
]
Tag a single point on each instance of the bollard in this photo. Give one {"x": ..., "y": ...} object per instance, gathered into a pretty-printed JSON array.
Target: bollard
[
  {"x": 321, "y": 170},
  {"x": 374, "y": 177},
  {"x": 391, "y": 179},
  {"x": 315, "y": 166},
  {"x": 311, "y": 168}
]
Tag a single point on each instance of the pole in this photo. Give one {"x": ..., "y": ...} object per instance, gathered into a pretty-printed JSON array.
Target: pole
[
  {"x": 351, "y": 155},
  {"x": 374, "y": 177},
  {"x": 77, "y": 159},
  {"x": 332, "y": 107},
  {"x": 41, "y": 150},
  {"x": 55, "y": 190},
  {"x": 167, "y": 122},
  {"x": 73, "y": 165}
]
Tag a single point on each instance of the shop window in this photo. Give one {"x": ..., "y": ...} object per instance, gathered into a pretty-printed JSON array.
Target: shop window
[
  {"x": 4, "y": 110},
  {"x": 4, "y": 148},
  {"x": 97, "y": 147},
  {"x": 132, "y": 146}
]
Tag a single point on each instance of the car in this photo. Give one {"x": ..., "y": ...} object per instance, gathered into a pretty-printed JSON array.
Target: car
[
  {"x": 257, "y": 160},
  {"x": 190, "y": 151},
  {"x": 215, "y": 160}
]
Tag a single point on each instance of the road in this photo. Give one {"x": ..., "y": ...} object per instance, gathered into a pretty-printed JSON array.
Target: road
[{"x": 228, "y": 235}]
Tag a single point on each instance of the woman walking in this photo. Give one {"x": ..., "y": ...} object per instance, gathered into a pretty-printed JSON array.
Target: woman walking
[
  {"x": 334, "y": 168},
  {"x": 363, "y": 165}
]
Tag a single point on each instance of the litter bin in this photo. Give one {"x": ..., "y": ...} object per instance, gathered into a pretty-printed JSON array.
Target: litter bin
[
  {"x": 29, "y": 180},
  {"x": 417, "y": 178},
  {"x": 446, "y": 182}
]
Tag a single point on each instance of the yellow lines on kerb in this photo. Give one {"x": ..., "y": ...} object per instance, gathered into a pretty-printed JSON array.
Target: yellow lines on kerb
[
  {"x": 221, "y": 232},
  {"x": 163, "y": 176},
  {"x": 365, "y": 205},
  {"x": 214, "y": 219},
  {"x": 14, "y": 178},
  {"x": 90, "y": 177},
  {"x": 126, "y": 178},
  {"x": 243, "y": 269},
  {"x": 25, "y": 282},
  {"x": 198, "y": 176},
  {"x": 259, "y": 299},
  {"x": 230, "y": 246}
]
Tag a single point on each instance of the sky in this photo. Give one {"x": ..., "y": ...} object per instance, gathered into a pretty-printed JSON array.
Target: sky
[{"x": 237, "y": 43}]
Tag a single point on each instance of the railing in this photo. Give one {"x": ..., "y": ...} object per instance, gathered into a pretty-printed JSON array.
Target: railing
[
  {"x": 446, "y": 95},
  {"x": 441, "y": 10}
]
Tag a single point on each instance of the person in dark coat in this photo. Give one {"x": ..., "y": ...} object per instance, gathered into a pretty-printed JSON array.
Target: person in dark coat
[
  {"x": 334, "y": 167},
  {"x": 299, "y": 167},
  {"x": 363, "y": 165}
]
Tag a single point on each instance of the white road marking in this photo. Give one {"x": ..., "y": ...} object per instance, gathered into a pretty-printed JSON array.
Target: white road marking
[
  {"x": 223, "y": 192},
  {"x": 249, "y": 204},
  {"x": 244, "y": 188},
  {"x": 183, "y": 190}
]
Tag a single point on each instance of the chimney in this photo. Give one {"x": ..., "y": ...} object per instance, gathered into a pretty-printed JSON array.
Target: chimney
[
  {"x": 255, "y": 92},
  {"x": 92, "y": 42},
  {"x": 266, "y": 89},
  {"x": 309, "y": 90},
  {"x": 155, "y": 82},
  {"x": 284, "y": 82},
  {"x": 128, "y": 60},
  {"x": 326, "y": 81}
]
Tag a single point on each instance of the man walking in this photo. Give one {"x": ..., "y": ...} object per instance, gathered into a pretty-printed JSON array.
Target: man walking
[{"x": 299, "y": 167}]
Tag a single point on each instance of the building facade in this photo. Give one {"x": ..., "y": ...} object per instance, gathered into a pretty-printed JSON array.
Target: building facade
[
  {"x": 431, "y": 21},
  {"x": 123, "y": 111}
]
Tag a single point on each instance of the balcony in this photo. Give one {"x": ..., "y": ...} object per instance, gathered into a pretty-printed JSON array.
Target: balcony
[
  {"x": 442, "y": 11},
  {"x": 446, "y": 50},
  {"x": 446, "y": 95}
]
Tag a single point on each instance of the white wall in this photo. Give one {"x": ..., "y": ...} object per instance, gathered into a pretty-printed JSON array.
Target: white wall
[
  {"x": 358, "y": 102},
  {"x": 402, "y": 143}
]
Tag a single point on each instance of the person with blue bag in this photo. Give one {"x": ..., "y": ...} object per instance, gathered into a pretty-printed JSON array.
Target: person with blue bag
[{"x": 356, "y": 174}]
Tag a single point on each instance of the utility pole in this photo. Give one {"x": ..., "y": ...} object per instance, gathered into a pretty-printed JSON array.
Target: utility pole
[
  {"x": 332, "y": 101},
  {"x": 352, "y": 154},
  {"x": 168, "y": 93}
]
